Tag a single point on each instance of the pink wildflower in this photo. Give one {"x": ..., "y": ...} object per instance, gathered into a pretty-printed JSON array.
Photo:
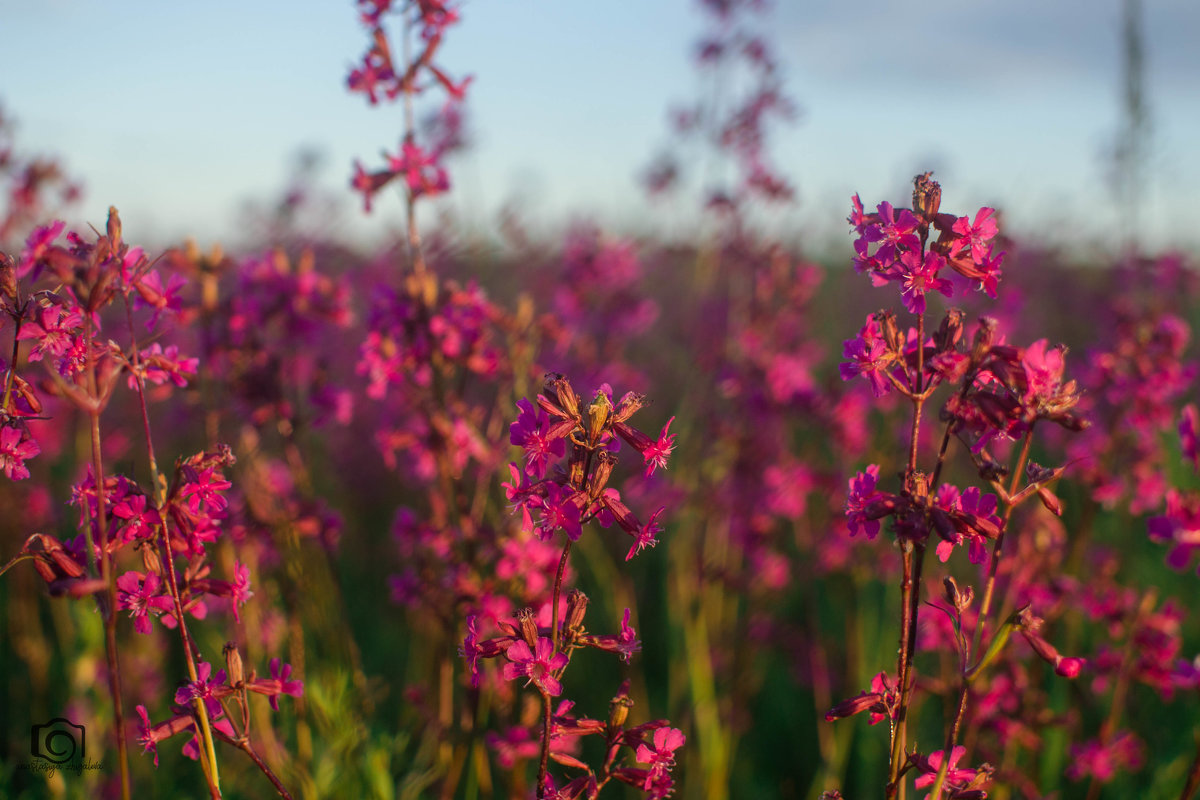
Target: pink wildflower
[
  {"x": 539, "y": 666},
  {"x": 15, "y": 448},
  {"x": 660, "y": 754},
  {"x": 140, "y": 595}
]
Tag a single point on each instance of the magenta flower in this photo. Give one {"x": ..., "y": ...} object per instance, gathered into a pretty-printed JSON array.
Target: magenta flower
[
  {"x": 149, "y": 734},
  {"x": 921, "y": 276},
  {"x": 470, "y": 650},
  {"x": 882, "y": 701},
  {"x": 15, "y": 448},
  {"x": 192, "y": 748},
  {"x": 1102, "y": 761},
  {"x": 58, "y": 334},
  {"x": 533, "y": 431},
  {"x": 897, "y": 234},
  {"x": 153, "y": 294},
  {"x": 36, "y": 246},
  {"x": 421, "y": 171},
  {"x": 140, "y": 521},
  {"x": 539, "y": 666},
  {"x": 159, "y": 366},
  {"x": 624, "y": 643},
  {"x": 972, "y": 513},
  {"x": 560, "y": 511},
  {"x": 860, "y": 514},
  {"x": 954, "y": 775},
  {"x": 279, "y": 683},
  {"x": 868, "y": 355},
  {"x": 1043, "y": 367},
  {"x": 140, "y": 595},
  {"x": 1189, "y": 434},
  {"x": 976, "y": 236},
  {"x": 645, "y": 536},
  {"x": 857, "y": 219},
  {"x": 1180, "y": 526},
  {"x": 368, "y": 183},
  {"x": 204, "y": 488},
  {"x": 654, "y": 451},
  {"x": 989, "y": 281},
  {"x": 207, "y": 691},
  {"x": 241, "y": 588},
  {"x": 146, "y": 734},
  {"x": 660, "y": 754}
]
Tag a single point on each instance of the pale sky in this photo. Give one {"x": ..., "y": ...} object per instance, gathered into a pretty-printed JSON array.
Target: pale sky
[{"x": 178, "y": 113}]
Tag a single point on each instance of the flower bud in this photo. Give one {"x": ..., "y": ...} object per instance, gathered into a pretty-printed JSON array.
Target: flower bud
[
  {"x": 567, "y": 399},
  {"x": 959, "y": 598},
  {"x": 855, "y": 705},
  {"x": 1070, "y": 667},
  {"x": 985, "y": 334},
  {"x": 604, "y": 467},
  {"x": 528, "y": 625},
  {"x": 598, "y": 413},
  {"x": 150, "y": 558},
  {"x": 618, "y": 709},
  {"x": 114, "y": 227},
  {"x": 577, "y": 603},
  {"x": 890, "y": 330},
  {"x": 1050, "y": 501},
  {"x": 950, "y": 331},
  {"x": 8, "y": 277},
  {"x": 927, "y": 197},
  {"x": 233, "y": 665}
]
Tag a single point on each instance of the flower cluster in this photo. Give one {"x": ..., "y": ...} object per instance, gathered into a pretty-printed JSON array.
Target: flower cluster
[
  {"x": 215, "y": 692},
  {"x": 379, "y": 75},
  {"x": 580, "y": 491}
]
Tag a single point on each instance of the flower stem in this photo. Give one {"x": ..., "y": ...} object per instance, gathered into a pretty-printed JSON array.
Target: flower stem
[
  {"x": 985, "y": 605},
  {"x": 558, "y": 579},
  {"x": 109, "y": 606},
  {"x": 208, "y": 761},
  {"x": 1193, "y": 778}
]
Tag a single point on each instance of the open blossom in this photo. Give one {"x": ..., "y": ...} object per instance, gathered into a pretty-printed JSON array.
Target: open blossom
[
  {"x": 1101, "y": 761},
  {"x": 140, "y": 594},
  {"x": 660, "y": 753},
  {"x": 58, "y": 336},
  {"x": 919, "y": 276},
  {"x": 421, "y": 170},
  {"x": 624, "y": 643},
  {"x": 645, "y": 535},
  {"x": 977, "y": 235},
  {"x": 279, "y": 683},
  {"x": 896, "y": 233},
  {"x": 859, "y": 512},
  {"x": 141, "y": 521},
  {"x": 149, "y": 734},
  {"x": 203, "y": 488},
  {"x": 538, "y": 665},
  {"x": 16, "y": 447},
  {"x": 541, "y": 441},
  {"x": 955, "y": 776},
  {"x": 158, "y": 366},
  {"x": 869, "y": 356},
  {"x": 206, "y": 688},
  {"x": 1043, "y": 370},
  {"x": 654, "y": 451},
  {"x": 1179, "y": 526},
  {"x": 36, "y": 246},
  {"x": 974, "y": 520}
]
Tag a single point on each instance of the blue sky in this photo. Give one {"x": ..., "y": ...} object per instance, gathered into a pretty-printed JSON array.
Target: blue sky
[{"x": 179, "y": 113}]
